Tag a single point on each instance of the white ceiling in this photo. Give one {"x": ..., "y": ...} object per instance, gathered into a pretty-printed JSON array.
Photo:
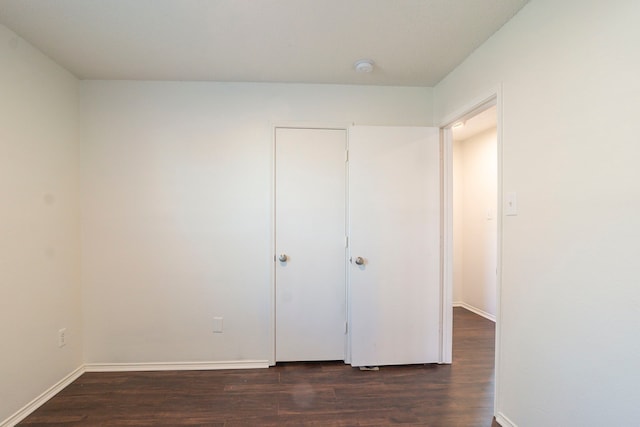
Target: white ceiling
[
  {"x": 413, "y": 42},
  {"x": 481, "y": 122}
]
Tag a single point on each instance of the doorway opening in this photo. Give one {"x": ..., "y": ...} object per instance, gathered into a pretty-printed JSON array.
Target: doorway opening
[
  {"x": 475, "y": 195},
  {"x": 472, "y": 226},
  {"x": 475, "y": 242}
]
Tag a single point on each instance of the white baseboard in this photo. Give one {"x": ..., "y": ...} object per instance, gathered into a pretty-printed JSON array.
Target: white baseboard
[
  {"x": 176, "y": 366},
  {"x": 475, "y": 310},
  {"x": 30, "y": 407},
  {"x": 504, "y": 421}
]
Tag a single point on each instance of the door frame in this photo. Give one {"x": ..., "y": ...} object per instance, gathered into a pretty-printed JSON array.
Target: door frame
[
  {"x": 272, "y": 250},
  {"x": 470, "y": 108}
]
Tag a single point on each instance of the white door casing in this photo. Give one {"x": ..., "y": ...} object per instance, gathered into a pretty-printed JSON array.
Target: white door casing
[
  {"x": 394, "y": 206},
  {"x": 310, "y": 229}
]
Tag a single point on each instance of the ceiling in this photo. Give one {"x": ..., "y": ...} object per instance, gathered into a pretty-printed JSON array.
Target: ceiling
[
  {"x": 472, "y": 126},
  {"x": 412, "y": 42}
]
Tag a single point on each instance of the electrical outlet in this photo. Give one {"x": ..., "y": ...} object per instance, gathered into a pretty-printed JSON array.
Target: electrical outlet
[
  {"x": 217, "y": 325},
  {"x": 62, "y": 337}
]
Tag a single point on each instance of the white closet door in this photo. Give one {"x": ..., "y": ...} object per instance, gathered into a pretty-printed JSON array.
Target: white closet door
[
  {"x": 310, "y": 209},
  {"x": 394, "y": 202}
]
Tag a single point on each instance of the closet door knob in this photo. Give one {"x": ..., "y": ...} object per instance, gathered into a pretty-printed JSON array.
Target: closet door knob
[
  {"x": 359, "y": 260},
  {"x": 283, "y": 258}
]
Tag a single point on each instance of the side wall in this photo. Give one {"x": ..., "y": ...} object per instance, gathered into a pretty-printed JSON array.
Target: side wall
[
  {"x": 39, "y": 224},
  {"x": 177, "y": 199},
  {"x": 569, "y": 315}
]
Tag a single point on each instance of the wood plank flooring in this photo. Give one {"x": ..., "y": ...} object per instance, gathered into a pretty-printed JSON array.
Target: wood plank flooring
[{"x": 292, "y": 394}]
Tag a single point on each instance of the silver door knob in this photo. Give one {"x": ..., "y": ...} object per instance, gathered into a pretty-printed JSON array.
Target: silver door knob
[
  {"x": 359, "y": 260},
  {"x": 283, "y": 257}
]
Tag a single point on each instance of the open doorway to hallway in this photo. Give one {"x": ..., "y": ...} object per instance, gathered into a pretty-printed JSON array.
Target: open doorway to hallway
[
  {"x": 475, "y": 229},
  {"x": 479, "y": 122},
  {"x": 474, "y": 160}
]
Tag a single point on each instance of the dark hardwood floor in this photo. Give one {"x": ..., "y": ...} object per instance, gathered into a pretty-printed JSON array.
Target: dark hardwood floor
[{"x": 292, "y": 394}]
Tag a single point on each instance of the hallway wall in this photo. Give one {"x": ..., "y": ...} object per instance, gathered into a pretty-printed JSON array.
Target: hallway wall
[{"x": 475, "y": 223}]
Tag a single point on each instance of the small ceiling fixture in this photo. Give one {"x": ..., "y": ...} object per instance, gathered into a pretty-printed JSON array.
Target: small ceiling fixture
[
  {"x": 364, "y": 66},
  {"x": 458, "y": 125}
]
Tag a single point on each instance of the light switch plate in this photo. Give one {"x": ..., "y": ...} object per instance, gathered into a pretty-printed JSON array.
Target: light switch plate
[{"x": 217, "y": 325}]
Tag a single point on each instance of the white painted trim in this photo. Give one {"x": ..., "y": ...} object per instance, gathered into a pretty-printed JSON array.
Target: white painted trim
[
  {"x": 272, "y": 260},
  {"x": 311, "y": 125},
  {"x": 471, "y": 108},
  {"x": 446, "y": 242},
  {"x": 500, "y": 218},
  {"x": 504, "y": 421},
  {"x": 474, "y": 106},
  {"x": 347, "y": 254},
  {"x": 176, "y": 366},
  {"x": 475, "y": 310},
  {"x": 30, "y": 407}
]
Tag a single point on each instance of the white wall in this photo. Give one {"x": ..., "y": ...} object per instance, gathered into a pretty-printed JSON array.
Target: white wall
[
  {"x": 475, "y": 224},
  {"x": 570, "y": 297},
  {"x": 176, "y": 202},
  {"x": 39, "y": 224}
]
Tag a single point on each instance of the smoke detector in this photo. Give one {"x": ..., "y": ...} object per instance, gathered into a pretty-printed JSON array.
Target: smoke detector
[{"x": 364, "y": 66}]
